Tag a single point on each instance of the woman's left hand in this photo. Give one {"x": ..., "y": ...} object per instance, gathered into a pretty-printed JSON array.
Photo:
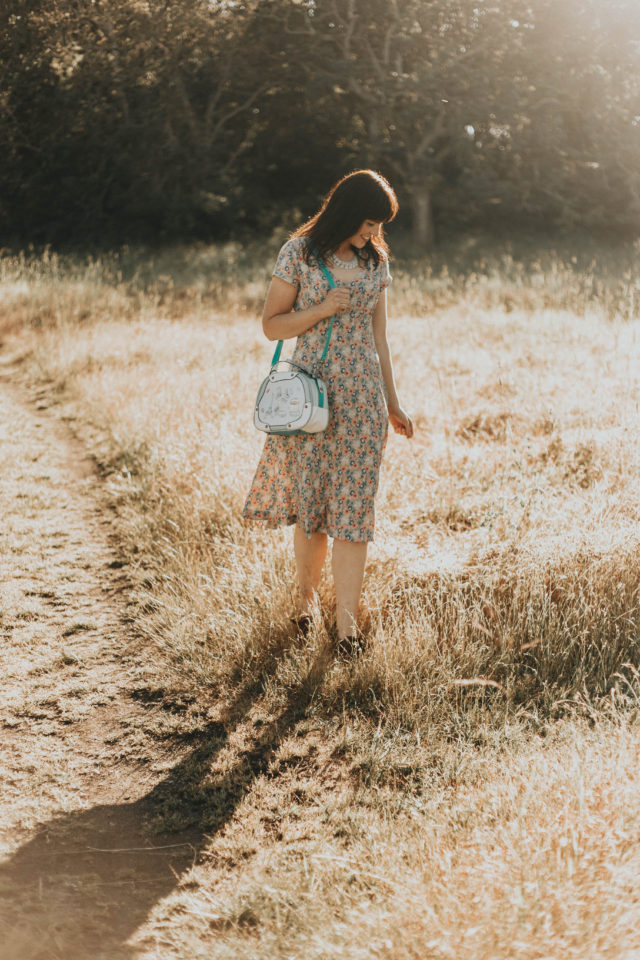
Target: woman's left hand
[{"x": 401, "y": 422}]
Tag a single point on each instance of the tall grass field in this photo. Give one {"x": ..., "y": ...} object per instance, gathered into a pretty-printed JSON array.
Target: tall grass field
[{"x": 467, "y": 790}]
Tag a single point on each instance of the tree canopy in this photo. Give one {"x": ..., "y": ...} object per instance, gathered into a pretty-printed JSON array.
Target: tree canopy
[{"x": 155, "y": 119}]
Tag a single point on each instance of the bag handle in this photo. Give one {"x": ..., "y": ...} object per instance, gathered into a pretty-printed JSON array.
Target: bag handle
[{"x": 332, "y": 283}]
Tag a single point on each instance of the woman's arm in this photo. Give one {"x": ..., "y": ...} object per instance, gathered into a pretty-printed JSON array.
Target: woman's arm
[
  {"x": 399, "y": 419},
  {"x": 281, "y": 322}
]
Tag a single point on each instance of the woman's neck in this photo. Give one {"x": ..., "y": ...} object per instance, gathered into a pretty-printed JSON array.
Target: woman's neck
[{"x": 345, "y": 251}]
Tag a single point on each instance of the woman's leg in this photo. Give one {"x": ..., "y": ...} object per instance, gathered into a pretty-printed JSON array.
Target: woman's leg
[
  {"x": 310, "y": 553},
  {"x": 347, "y": 560}
]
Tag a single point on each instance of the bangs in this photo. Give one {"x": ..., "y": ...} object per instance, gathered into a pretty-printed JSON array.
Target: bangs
[
  {"x": 381, "y": 209},
  {"x": 379, "y": 199}
]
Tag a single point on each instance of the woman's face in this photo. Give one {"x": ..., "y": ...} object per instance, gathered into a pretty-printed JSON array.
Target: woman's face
[{"x": 366, "y": 230}]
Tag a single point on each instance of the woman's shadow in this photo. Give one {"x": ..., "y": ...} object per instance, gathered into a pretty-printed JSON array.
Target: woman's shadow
[{"x": 88, "y": 879}]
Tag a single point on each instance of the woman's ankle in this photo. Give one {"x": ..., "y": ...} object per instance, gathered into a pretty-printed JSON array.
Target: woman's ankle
[
  {"x": 346, "y": 626},
  {"x": 308, "y": 606}
]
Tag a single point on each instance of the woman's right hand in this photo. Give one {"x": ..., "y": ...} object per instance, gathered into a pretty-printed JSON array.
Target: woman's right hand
[{"x": 336, "y": 301}]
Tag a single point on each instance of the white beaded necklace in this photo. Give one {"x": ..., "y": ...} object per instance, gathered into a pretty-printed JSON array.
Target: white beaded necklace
[{"x": 344, "y": 264}]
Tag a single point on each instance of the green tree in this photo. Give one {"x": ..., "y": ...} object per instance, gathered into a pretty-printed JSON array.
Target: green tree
[
  {"x": 131, "y": 117},
  {"x": 571, "y": 138},
  {"x": 124, "y": 116},
  {"x": 529, "y": 105},
  {"x": 416, "y": 76}
]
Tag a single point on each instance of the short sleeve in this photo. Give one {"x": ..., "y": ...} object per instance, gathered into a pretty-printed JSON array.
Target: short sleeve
[
  {"x": 288, "y": 263},
  {"x": 385, "y": 276}
]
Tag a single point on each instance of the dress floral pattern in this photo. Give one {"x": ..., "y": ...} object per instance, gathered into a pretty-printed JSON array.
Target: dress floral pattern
[{"x": 327, "y": 481}]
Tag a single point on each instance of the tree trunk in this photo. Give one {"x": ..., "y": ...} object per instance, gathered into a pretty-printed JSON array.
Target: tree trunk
[
  {"x": 423, "y": 231},
  {"x": 373, "y": 148}
]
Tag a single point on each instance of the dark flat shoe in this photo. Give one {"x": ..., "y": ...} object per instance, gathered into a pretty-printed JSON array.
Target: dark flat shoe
[
  {"x": 302, "y": 624},
  {"x": 351, "y": 647}
]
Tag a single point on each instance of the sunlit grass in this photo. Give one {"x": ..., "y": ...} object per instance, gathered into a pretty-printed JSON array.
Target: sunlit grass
[
  {"x": 500, "y": 604},
  {"x": 508, "y": 523}
]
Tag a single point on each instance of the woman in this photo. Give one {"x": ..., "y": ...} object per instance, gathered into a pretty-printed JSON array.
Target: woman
[{"x": 325, "y": 483}]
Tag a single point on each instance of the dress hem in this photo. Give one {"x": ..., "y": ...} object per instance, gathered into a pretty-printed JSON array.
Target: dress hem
[{"x": 293, "y": 521}]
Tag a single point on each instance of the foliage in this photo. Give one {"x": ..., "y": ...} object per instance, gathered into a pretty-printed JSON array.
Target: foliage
[{"x": 192, "y": 118}]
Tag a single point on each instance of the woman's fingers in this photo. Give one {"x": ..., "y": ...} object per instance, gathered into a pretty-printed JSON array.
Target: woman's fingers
[
  {"x": 408, "y": 426},
  {"x": 338, "y": 299},
  {"x": 402, "y": 423}
]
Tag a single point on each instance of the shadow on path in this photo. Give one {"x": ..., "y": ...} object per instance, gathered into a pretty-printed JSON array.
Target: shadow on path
[{"x": 88, "y": 879}]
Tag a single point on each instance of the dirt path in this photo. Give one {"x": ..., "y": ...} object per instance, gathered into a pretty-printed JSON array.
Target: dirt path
[{"x": 79, "y": 761}]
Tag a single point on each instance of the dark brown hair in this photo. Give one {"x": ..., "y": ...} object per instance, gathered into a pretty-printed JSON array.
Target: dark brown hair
[{"x": 361, "y": 195}]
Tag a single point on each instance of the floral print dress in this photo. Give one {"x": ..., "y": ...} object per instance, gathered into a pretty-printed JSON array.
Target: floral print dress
[{"x": 327, "y": 482}]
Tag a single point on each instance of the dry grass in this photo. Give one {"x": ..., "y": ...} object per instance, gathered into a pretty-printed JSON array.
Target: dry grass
[
  {"x": 537, "y": 859},
  {"x": 473, "y": 799}
]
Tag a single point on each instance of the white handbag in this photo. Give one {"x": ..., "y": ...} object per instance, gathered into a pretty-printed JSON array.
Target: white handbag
[{"x": 293, "y": 401}]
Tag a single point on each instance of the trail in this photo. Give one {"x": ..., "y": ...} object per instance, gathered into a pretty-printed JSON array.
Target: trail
[{"x": 79, "y": 869}]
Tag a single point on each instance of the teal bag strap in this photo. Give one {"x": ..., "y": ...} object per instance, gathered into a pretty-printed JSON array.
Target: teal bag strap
[{"x": 332, "y": 283}]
